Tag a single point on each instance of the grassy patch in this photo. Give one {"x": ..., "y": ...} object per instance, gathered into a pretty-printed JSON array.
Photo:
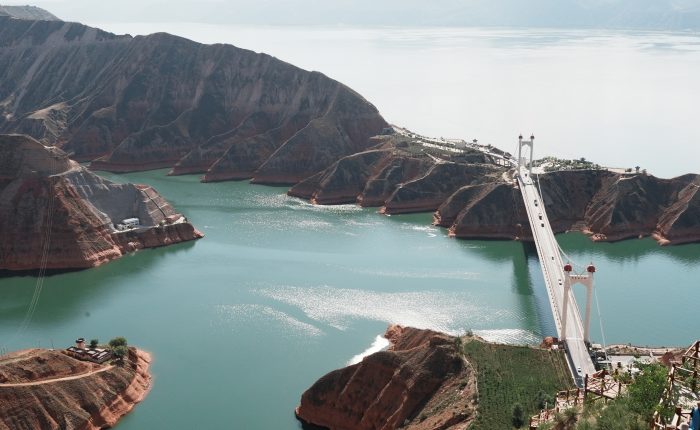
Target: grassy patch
[{"x": 513, "y": 374}]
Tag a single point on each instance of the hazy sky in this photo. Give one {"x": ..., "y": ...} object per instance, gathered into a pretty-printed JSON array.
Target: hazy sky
[{"x": 662, "y": 14}]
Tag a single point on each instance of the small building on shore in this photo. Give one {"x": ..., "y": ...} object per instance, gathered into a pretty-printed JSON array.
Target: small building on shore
[
  {"x": 129, "y": 224},
  {"x": 94, "y": 355}
]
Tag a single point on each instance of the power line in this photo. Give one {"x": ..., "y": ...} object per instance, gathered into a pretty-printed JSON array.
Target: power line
[{"x": 39, "y": 285}]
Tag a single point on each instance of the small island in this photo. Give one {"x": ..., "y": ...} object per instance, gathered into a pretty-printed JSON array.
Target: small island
[{"x": 86, "y": 386}]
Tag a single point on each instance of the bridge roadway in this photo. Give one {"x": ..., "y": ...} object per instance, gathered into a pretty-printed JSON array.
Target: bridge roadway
[{"x": 553, "y": 271}]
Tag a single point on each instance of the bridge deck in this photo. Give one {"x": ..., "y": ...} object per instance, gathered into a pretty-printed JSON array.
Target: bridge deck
[{"x": 553, "y": 271}]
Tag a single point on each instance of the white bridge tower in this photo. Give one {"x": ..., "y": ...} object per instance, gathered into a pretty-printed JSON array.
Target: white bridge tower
[
  {"x": 523, "y": 161},
  {"x": 587, "y": 281}
]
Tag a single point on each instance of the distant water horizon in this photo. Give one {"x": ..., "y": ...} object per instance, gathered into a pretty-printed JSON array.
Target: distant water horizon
[{"x": 621, "y": 98}]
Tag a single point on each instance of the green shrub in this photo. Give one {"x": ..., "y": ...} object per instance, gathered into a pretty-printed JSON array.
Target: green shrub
[
  {"x": 544, "y": 400},
  {"x": 117, "y": 341},
  {"x": 646, "y": 390},
  {"x": 120, "y": 352},
  {"x": 518, "y": 416}
]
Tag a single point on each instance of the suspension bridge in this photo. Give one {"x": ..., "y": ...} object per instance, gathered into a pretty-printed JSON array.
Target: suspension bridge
[{"x": 558, "y": 276}]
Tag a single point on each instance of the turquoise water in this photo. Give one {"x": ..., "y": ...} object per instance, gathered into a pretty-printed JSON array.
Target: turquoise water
[{"x": 279, "y": 292}]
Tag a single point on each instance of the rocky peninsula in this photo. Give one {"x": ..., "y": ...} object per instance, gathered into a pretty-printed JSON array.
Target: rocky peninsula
[
  {"x": 605, "y": 205},
  {"x": 472, "y": 193},
  {"x": 56, "y": 214},
  {"x": 421, "y": 382},
  {"x": 432, "y": 381},
  {"x": 47, "y": 389}
]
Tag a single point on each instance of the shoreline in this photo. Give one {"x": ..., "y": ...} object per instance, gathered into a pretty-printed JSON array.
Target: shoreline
[{"x": 629, "y": 349}]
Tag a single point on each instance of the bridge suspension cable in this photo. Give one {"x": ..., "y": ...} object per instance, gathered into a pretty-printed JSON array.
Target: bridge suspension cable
[{"x": 600, "y": 321}]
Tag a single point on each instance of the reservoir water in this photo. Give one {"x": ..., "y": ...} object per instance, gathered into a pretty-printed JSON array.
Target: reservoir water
[{"x": 280, "y": 291}]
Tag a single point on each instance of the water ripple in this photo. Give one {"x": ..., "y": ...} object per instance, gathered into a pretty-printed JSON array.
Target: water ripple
[
  {"x": 233, "y": 315},
  {"x": 436, "y": 310}
]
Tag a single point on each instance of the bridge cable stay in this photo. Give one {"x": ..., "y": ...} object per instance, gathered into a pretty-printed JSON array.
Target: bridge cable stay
[{"x": 600, "y": 321}]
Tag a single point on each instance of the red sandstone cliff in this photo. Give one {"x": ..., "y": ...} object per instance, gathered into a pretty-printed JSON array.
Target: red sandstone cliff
[
  {"x": 476, "y": 198},
  {"x": 606, "y": 205},
  {"x": 58, "y": 215},
  {"x": 47, "y": 390},
  {"x": 396, "y": 174},
  {"x": 411, "y": 386}
]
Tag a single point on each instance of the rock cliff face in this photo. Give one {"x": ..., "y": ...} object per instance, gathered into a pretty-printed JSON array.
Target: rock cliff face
[
  {"x": 59, "y": 215},
  {"x": 606, "y": 205},
  {"x": 135, "y": 103},
  {"x": 397, "y": 175},
  {"x": 48, "y": 390},
  {"x": 429, "y": 191},
  {"x": 476, "y": 197},
  {"x": 421, "y": 383},
  {"x": 486, "y": 211}
]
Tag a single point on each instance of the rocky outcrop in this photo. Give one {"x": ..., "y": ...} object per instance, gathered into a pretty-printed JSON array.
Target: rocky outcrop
[
  {"x": 428, "y": 192},
  {"x": 55, "y": 214},
  {"x": 679, "y": 222},
  {"x": 136, "y": 103},
  {"x": 390, "y": 176},
  {"x": 420, "y": 383},
  {"x": 397, "y": 174},
  {"x": 41, "y": 389},
  {"x": 485, "y": 211},
  {"x": 476, "y": 197},
  {"x": 605, "y": 205},
  {"x": 344, "y": 181}
]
